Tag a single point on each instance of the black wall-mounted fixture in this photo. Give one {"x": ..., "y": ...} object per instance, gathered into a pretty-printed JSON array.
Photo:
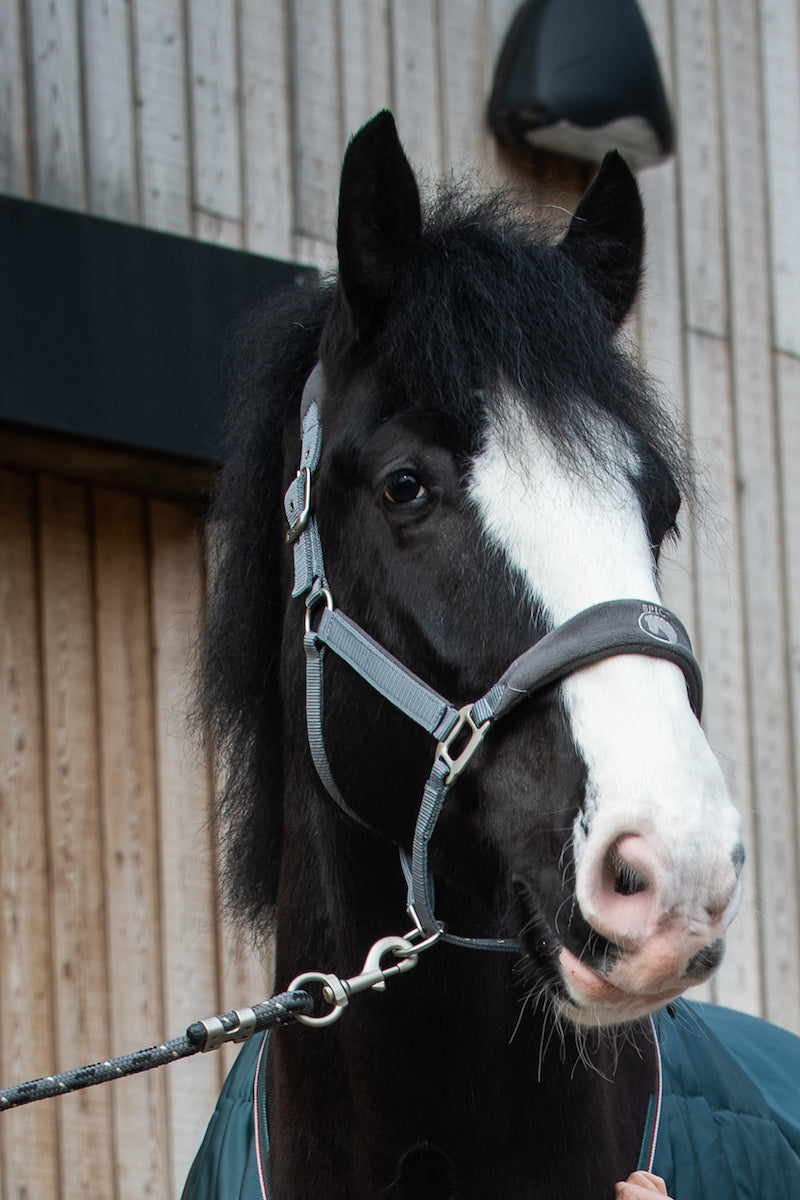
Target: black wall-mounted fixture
[{"x": 580, "y": 77}]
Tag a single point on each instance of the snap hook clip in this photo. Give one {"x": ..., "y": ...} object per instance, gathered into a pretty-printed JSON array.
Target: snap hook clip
[{"x": 373, "y": 975}]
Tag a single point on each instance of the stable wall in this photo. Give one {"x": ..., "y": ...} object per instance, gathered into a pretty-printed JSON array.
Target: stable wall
[
  {"x": 109, "y": 938},
  {"x": 720, "y": 327},
  {"x": 226, "y": 121}
]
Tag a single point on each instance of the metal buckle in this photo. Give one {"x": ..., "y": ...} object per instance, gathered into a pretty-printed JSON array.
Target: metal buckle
[
  {"x": 302, "y": 520},
  {"x": 456, "y": 762}
]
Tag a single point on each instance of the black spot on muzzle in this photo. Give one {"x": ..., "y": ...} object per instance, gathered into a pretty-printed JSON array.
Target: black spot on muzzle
[
  {"x": 737, "y": 858},
  {"x": 704, "y": 962}
]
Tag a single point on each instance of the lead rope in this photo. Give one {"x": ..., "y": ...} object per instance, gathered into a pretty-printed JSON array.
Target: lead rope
[
  {"x": 200, "y": 1037},
  {"x": 390, "y": 956}
]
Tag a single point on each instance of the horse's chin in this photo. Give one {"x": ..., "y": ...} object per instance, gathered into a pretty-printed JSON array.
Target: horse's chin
[
  {"x": 576, "y": 991},
  {"x": 590, "y": 998}
]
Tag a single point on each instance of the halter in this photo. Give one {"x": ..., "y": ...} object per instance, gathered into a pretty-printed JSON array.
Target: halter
[{"x": 614, "y": 627}]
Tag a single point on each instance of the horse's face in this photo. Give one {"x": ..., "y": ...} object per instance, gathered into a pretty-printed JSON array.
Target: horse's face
[
  {"x": 594, "y": 823},
  {"x": 653, "y": 855}
]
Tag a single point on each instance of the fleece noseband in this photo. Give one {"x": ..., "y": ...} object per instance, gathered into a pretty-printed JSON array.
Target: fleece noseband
[{"x": 615, "y": 627}]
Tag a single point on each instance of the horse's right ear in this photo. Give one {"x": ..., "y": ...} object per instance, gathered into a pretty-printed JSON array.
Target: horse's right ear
[
  {"x": 606, "y": 236},
  {"x": 379, "y": 219}
]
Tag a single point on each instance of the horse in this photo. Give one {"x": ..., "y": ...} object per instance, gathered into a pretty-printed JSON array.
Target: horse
[{"x": 448, "y": 695}]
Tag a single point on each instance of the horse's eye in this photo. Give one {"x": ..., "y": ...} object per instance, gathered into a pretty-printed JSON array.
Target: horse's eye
[{"x": 403, "y": 487}]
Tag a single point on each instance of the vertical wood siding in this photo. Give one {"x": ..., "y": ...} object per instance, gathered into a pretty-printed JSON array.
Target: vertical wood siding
[
  {"x": 29, "y": 1147},
  {"x": 719, "y": 324},
  {"x": 109, "y": 934},
  {"x": 227, "y": 121}
]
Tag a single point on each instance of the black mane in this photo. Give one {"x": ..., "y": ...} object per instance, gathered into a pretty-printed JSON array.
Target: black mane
[
  {"x": 272, "y": 352},
  {"x": 484, "y": 298}
]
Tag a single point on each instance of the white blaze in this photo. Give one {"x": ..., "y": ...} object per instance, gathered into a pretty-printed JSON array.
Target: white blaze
[{"x": 578, "y": 537}]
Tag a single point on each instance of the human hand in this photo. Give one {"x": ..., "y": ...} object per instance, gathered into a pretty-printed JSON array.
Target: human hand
[{"x": 641, "y": 1185}]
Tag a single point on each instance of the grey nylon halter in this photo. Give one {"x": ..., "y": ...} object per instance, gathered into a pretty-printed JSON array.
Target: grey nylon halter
[{"x": 611, "y": 628}]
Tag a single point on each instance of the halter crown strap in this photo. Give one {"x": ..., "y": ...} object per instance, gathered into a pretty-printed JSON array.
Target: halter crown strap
[{"x": 604, "y": 630}]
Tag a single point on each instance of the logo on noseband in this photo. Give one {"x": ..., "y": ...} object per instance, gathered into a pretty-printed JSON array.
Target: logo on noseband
[{"x": 657, "y": 625}]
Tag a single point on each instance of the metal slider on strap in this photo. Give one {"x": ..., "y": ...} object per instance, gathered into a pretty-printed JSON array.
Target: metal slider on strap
[{"x": 465, "y": 727}]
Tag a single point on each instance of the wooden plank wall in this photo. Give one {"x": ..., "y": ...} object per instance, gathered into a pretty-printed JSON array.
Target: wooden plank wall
[
  {"x": 226, "y": 120},
  {"x": 109, "y": 938},
  {"x": 720, "y": 325}
]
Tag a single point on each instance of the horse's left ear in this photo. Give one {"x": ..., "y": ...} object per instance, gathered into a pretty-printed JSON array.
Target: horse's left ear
[
  {"x": 379, "y": 219},
  {"x": 606, "y": 236}
]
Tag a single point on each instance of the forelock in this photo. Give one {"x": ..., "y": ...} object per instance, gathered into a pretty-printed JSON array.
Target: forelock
[{"x": 487, "y": 303}]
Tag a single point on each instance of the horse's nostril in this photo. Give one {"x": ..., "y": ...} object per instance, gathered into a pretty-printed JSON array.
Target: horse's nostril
[
  {"x": 622, "y": 899},
  {"x": 623, "y": 876},
  {"x": 628, "y": 881}
]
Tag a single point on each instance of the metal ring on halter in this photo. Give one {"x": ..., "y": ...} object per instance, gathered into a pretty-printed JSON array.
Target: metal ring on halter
[
  {"x": 312, "y": 604},
  {"x": 418, "y": 947}
]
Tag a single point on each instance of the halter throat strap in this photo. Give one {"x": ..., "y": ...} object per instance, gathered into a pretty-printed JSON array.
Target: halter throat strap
[{"x": 602, "y": 631}]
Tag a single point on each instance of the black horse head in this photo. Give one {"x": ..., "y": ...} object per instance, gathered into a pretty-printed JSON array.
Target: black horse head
[{"x": 492, "y": 464}]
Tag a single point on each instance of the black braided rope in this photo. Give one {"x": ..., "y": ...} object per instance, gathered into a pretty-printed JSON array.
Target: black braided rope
[{"x": 280, "y": 1010}]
